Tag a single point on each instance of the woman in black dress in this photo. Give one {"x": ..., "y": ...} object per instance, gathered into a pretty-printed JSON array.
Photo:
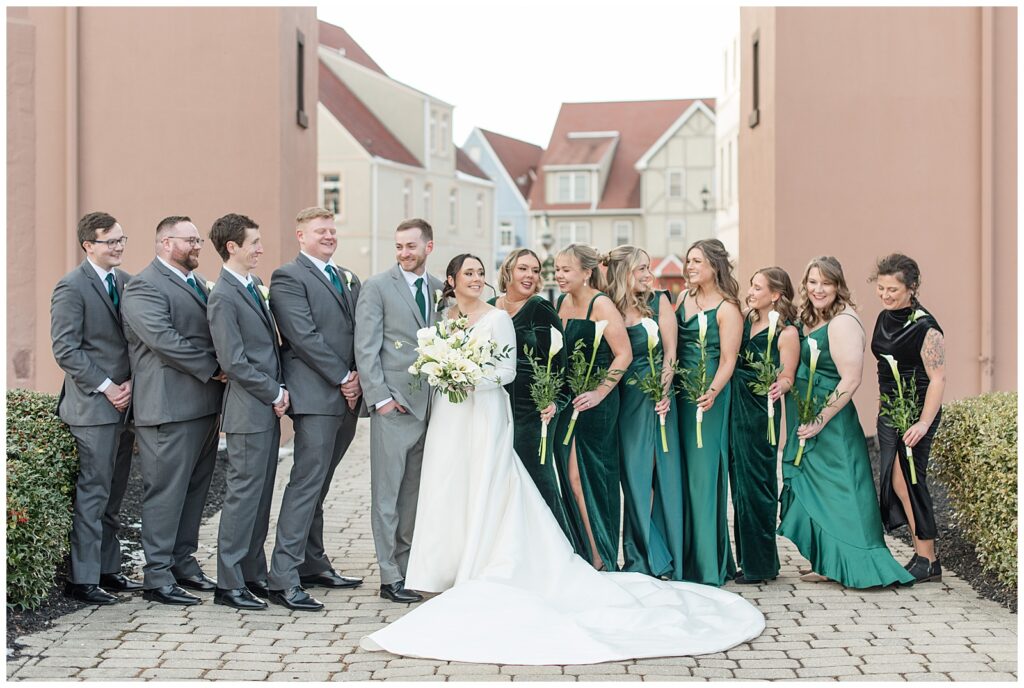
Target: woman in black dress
[{"x": 908, "y": 333}]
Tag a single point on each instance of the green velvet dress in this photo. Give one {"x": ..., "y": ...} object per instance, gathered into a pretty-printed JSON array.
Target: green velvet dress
[
  {"x": 596, "y": 437},
  {"x": 753, "y": 461},
  {"x": 652, "y": 533},
  {"x": 707, "y": 556},
  {"x": 829, "y": 507},
  {"x": 533, "y": 325}
]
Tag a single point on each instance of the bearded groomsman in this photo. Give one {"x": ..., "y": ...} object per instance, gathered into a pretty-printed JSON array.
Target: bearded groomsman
[
  {"x": 245, "y": 337},
  {"x": 178, "y": 390},
  {"x": 85, "y": 327},
  {"x": 314, "y": 302}
]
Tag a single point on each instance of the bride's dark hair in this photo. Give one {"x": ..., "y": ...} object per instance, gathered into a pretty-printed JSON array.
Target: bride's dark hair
[{"x": 454, "y": 265}]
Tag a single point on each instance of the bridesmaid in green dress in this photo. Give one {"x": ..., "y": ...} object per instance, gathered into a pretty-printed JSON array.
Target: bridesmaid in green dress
[
  {"x": 829, "y": 507},
  {"x": 519, "y": 281},
  {"x": 652, "y": 531},
  {"x": 753, "y": 459},
  {"x": 712, "y": 289},
  {"x": 591, "y": 459}
]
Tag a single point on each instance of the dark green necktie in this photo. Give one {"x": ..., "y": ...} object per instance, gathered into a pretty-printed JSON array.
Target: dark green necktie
[
  {"x": 333, "y": 274},
  {"x": 252, "y": 292},
  {"x": 112, "y": 291},
  {"x": 421, "y": 300},
  {"x": 192, "y": 283}
]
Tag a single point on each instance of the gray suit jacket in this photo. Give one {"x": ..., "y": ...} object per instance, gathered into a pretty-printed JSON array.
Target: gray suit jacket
[
  {"x": 245, "y": 337},
  {"x": 387, "y": 313},
  {"x": 316, "y": 324},
  {"x": 88, "y": 344},
  {"x": 172, "y": 354}
]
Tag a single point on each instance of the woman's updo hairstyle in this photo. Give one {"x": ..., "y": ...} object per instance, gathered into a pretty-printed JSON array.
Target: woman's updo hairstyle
[
  {"x": 454, "y": 266},
  {"x": 589, "y": 259},
  {"x": 904, "y": 268}
]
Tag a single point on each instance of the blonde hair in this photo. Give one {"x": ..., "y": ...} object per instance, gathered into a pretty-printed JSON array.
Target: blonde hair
[
  {"x": 313, "y": 213},
  {"x": 779, "y": 282},
  {"x": 716, "y": 255},
  {"x": 621, "y": 262},
  {"x": 589, "y": 259},
  {"x": 509, "y": 264},
  {"x": 831, "y": 271}
]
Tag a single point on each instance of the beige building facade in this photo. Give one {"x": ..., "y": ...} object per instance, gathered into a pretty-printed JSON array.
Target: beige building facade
[
  {"x": 129, "y": 111},
  {"x": 866, "y": 131}
]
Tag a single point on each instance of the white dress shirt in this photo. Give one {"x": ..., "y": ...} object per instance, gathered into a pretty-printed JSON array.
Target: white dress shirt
[
  {"x": 322, "y": 267},
  {"x": 410, "y": 279},
  {"x": 103, "y": 278},
  {"x": 246, "y": 281}
]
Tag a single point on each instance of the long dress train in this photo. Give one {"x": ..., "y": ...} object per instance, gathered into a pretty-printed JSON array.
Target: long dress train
[{"x": 515, "y": 592}]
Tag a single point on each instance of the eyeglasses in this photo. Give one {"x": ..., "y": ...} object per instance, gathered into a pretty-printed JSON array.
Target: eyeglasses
[
  {"x": 192, "y": 241},
  {"x": 111, "y": 243}
]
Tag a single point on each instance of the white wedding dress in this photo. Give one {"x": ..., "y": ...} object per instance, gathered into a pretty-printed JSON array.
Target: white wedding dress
[{"x": 514, "y": 591}]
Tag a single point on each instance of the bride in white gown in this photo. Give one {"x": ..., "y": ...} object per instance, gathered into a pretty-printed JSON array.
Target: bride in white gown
[{"x": 514, "y": 592}]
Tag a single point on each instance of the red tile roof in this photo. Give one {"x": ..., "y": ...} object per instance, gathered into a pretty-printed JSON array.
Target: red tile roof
[
  {"x": 360, "y": 122},
  {"x": 519, "y": 159},
  {"x": 336, "y": 37},
  {"x": 465, "y": 164},
  {"x": 639, "y": 123},
  {"x": 585, "y": 150}
]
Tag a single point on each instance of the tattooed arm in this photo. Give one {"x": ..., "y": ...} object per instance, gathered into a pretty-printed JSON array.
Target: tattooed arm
[{"x": 933, "y": 353}]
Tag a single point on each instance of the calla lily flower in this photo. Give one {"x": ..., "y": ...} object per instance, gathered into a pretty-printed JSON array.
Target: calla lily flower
[
  {"x": 702, "y": 325},
  {"x": 815, "y": 353},
  {"x": 773, "y": 324},
  {"x": 895, "y": 371},
  {"x": 914, "y": 316},
  {"x": 599, "y": 328},
  {"x": 557, "y": 342},
  {"x": 651, "y": 328}
]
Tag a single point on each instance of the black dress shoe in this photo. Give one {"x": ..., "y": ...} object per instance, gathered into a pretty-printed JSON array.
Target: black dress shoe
[
  {"x": 396, "y": 592},
  {"x": 259, "y": 588},
  {"x": 200, "y": 582},
  {"x": 89, "y": 593},
  {"x": 119, "y": 582},
  {"x": 910, "y": 564},
  {"x": 170, "y": 594},
  {"x": 239, "y": 598},
  {"x": 297, "y": 599},
  {"x": 330, "y": 579},
  {"x": 741, "y": 579},
  {"x": 925, "y": 571}
]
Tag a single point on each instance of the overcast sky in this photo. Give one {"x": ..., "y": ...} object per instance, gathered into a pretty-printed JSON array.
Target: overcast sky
[{"x": 507, "y": 66}]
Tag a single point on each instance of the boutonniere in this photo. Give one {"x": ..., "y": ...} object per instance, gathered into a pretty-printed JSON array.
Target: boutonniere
[
  {"x": 348, "y": 278},
  {"x": 914, "y": 317},
  {"x": 210, "y": 285},
  {"x": 264, "y": 292}
]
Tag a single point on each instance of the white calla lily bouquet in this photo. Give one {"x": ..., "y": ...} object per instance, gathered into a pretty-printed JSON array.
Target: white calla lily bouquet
[
  {"x": 453, "y": 358},
  {"x": 650, "y": 383}
]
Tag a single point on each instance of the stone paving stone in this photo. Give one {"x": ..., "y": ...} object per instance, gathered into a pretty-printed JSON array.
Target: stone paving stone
[
  {"x": 516, "y": 669},
  {"x": 543, "y": 677},
  {"x": 480, "y": 670},
  {"x": 765, "y": 673},
  {"x": 299, "y": 676},
  {"x": 475, "y": 678},
  {"x": 771, "y": 663},
  {"x": 70, "y": 662},
  {"x": 165, "y": 674},
  {"x": 250, "y": 665},
  {"x": 821, "y": 672},
  {"x": 648, "y": 679},
  {"x": 665, "y": 670},
  {"x": 235, "y": 675},
  {"x": 711, "y": 672},
  {"x": 594, "y": 669},
  {"x": 403, "y": 672},
  {"x": 115, "y": 673},
  {"x": 351, "y": 676},
  {"x": 981, "y": 676}
]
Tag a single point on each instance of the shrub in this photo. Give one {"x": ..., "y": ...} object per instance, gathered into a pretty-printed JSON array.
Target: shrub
[
  {"x": 42, "y": 467},
  {"x": 975, "y": 453}
]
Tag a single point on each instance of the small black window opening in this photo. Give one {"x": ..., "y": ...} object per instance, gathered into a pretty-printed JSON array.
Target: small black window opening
[
  {"x": 755, "y": 114},
  {"x": 301, "y": 116}
]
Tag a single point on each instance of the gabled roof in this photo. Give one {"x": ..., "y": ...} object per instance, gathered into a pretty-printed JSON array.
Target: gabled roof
[
  {"x": 519, "y": 158},
  {"x": 464, "y": 164},
  {"x": 581, "y": 150},
  {"x": 336, "y": 37},
  {"x": 667, "y": 266},
  {"x": 705, "y": 105},
  {"x": 359, "y": 121},
  {"x": 639, "y": 124}
]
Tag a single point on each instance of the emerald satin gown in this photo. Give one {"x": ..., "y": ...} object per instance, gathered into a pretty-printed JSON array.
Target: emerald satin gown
[
  {"x": 533, "y": 325},
  {"x": 753, "y": 461},
  {"x": 707, "y": 556},
  {"x": 652, "y": 533},
  {"x": 829, "y": 507},
  {"x": 596, "y": 437}
]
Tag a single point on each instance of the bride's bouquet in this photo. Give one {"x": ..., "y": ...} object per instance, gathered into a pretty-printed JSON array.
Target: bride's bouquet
[{"x": 453, "y": 358}]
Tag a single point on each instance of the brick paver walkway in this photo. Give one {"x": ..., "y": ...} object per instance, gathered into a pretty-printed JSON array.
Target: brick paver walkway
[{"x": 814, "y": 631}]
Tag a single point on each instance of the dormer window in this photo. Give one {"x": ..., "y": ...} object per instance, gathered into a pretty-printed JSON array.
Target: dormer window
[{"x": 572, "y": 187}]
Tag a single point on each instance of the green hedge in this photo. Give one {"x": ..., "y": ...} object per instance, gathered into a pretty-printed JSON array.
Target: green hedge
[
  {"x": 42, "y": 467},
  {"x": 975, "y": 455}
]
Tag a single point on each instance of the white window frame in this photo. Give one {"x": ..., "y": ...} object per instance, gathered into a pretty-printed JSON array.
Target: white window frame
[
  {"x": 433, "y": 130},
  {"x": 479, "y": 212},
  {"x": 453, "y": 208},
  {"x": 682, "y": 229},
  {"x": 682, "y": 183},
  {"x": 577, "y": 232},
  {"x": 428, "y": 201},
  {"x": 576, "y": 192},
  {"x": 442, "y": 139},
  {"x": 407, "y": 198},
  {"x": 336, "y": 185},
  {"x": 506, "y": 236},
  {"x": 622, "y": 232}
]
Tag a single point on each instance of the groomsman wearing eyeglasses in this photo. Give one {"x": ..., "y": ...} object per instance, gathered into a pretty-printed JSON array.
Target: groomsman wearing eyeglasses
[
  {"x": 178, "y": 390},
  {"x": 245, "y": 335},
  {"x": 89, "y": 346}
]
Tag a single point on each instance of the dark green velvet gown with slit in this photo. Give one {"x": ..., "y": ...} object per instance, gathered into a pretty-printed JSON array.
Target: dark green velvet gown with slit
[
  {"x": 707, "y": 556},
  {"x": 652, "y": 481},
  {"x": 533, "y": 325},
  {"x": 829, "y": 507},
  {"x": 596, "y": 438}
]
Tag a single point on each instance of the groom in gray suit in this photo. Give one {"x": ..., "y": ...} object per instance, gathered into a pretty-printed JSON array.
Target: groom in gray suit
[
  {"x": 315, "y": 303},
  {"x": 393, "y": 306},
  {"x": 85, "y": 327},
  {"x": 245, "y": 336},
  {"x": 178, "y": 390}
]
